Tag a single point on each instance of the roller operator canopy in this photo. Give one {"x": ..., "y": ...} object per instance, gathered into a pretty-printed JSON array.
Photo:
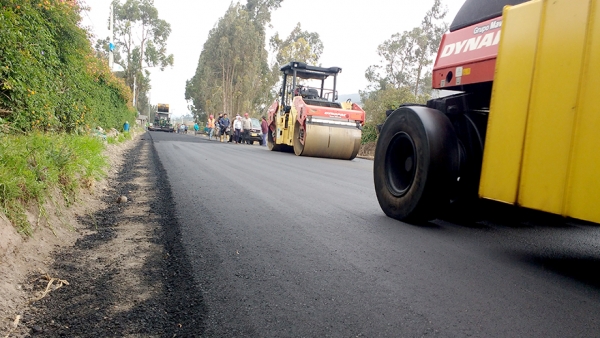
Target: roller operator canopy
[
  {"x": 475, "y": 11},
  {"x": 163, "y": 108},
  {"x": 305, "y": 71}
]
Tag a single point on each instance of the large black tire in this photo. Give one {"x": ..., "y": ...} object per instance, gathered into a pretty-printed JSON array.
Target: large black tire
[
  {"x": 416, "y": 164},
  {"x": 271, "y": 142},
  {"x": 298, "y": 147},
  {"x": 273, "y": 146}
]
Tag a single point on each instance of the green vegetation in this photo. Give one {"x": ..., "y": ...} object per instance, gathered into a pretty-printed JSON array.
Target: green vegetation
[
  {"x": 233, "y": 73},
  {"x": 140, "y": 42},
  {"x": 404, "y": 73},
  {"x": 300, "y": 46},
  {"x": 119, "y": 138},
  {"x": 369, "y": 133},
  {"x": 50, "y": 79},
  {"x": 33, "y": 166},
  {"x": 53, "y": 91},
  {"x": 377, "y": 102}
]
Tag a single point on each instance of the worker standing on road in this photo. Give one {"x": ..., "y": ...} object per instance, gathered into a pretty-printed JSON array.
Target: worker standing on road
[
  {"x": 210, "y": 124},
  {"x": 218, "y": 126},
  {"x": 246, "y": 126},
  {"x": 196, "y": 128},
  {"x": 237, "y": 127},
  {"x": 224, "y": 127},
  {"x": 264, "y": 128},
  {"x": 230, "y": 130}
]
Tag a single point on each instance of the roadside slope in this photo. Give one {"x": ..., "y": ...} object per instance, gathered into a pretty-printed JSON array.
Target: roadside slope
[{"x": 128, "y": 274}]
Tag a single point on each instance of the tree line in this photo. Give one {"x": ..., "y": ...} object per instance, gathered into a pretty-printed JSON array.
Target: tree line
[
  {"x": 403, "y": 74},
  {"x": 140, "y": 43},
  {"x": 233, "y": 73},
  {"x": 234, "y": 76}
]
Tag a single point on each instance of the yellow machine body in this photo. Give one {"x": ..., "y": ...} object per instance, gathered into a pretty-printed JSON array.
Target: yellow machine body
[
  {"x": 542, "y": 147},
  {"x": 307, "y": 119},
  {"x": 328, "y": 139}
]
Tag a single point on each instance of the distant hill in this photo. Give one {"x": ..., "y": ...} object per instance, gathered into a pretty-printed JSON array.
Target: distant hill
[{"x": 355, "y": 98}]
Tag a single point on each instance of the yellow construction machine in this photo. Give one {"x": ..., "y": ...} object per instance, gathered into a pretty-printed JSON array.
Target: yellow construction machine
[
  {"x": 524, "y": 128},
  {"x": 307, "y": 119}
]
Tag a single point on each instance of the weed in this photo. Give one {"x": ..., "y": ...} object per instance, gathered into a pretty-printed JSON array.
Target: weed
[
  {"x": 369, "y": 133},
  {"x": 31, "y": 166},
  {"x": 120, "y": 138}
]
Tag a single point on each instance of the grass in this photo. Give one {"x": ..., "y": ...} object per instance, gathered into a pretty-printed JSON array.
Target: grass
[
  {"x": 122, "y": 137},
  {"x": 32, "y": 166}
]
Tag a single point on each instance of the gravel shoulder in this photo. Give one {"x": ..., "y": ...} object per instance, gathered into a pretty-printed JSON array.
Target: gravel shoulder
[{"x": 119, "y": 271}]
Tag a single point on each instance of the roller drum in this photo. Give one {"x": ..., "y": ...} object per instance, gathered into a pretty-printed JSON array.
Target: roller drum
[{"x": 328, "y": 141}]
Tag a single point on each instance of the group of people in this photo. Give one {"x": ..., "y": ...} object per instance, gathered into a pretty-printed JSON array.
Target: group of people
[
  {"x": 238, "y": 130},
  {"x": 183, "y": 128}
]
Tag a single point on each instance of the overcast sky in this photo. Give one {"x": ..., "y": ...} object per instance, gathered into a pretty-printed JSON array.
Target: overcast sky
[{"x": 350, "y": 31}]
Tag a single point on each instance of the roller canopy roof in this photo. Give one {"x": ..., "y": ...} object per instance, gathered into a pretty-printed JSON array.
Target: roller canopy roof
[
  {"x": 475, "y": 11},
  {"x": 305, "y": 71},
  {"x": 163, "y": 107}
]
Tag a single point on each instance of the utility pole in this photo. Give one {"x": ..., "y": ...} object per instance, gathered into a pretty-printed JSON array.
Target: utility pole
[{"x": 111, "y": 44}]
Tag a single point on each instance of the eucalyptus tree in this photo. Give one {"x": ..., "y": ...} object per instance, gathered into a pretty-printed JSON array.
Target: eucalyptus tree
[
  {"x": 300, "y": 45},
  {"x": 237, "y": 55},
  {"x": 202, "y": 89},
  {"x": 141, "y": 42},
  {"x": 102, "y": 50},
  {"x": 260, "y": 12},
  {"x": 406, "y": 57},
  {"x": 404, "y": 72},
  {"x": 232, "y": 75}
]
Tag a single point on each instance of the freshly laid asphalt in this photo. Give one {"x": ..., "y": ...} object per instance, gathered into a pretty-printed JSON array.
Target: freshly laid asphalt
[
  {"x": 225, "y": 240},
  {"x": 288, "y": 246}
]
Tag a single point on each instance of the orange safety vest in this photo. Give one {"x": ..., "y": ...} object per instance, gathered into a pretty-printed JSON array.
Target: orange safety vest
[{"x": 211, "y": 123}]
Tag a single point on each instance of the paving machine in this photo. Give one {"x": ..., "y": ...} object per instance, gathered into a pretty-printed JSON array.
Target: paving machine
[
  {"x": 162, "y": 119},
  {"x": 307, "y": 119},
  {"x": 523, "y": 129}
]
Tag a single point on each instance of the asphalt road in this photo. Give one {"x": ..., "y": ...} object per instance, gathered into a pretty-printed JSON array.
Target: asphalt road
[{"x": 287, "y": 246}]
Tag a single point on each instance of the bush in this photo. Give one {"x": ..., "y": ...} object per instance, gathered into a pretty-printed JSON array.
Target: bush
[
  {"x": 32, "y": 166},
  {"x": 50, "y": 79},
  {"x": 369, "y": 133},
  {"x": 122, "y": 137},
  {"x": 53, "y": 90}
]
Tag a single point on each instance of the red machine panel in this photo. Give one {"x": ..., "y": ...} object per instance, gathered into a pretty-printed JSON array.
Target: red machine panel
[
  {"x": 271, "y": 115},
  {"x": 304, "y": 110},
  {"x": 467, "y": 55}
]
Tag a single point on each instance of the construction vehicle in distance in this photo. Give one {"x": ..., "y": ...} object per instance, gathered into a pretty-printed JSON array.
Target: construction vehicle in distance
[
  {"x": 162, "y": 119},
  {"x": 308, "y": 120},
  {"x": 524, "y": 129}
]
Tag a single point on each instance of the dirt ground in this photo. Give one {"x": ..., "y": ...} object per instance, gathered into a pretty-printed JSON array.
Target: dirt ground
[
  {"x": 102, "y": 267},
  {"x": 367, "y": 150},
  {"x": 23, "y": 258}
]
